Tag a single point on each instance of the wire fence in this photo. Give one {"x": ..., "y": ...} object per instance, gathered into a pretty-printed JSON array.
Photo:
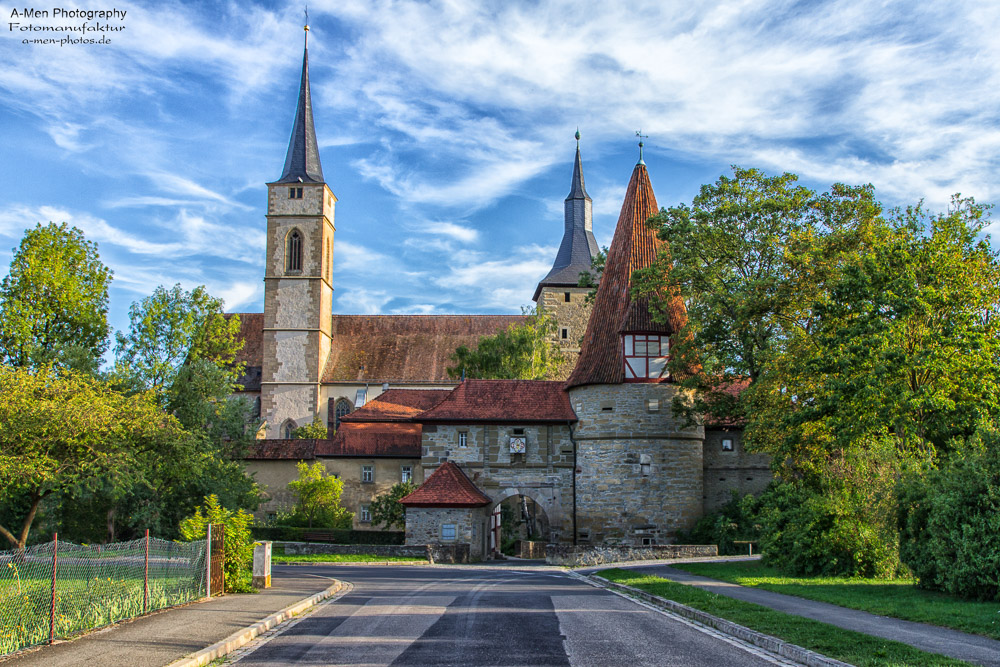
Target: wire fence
[{"x": 59, "y": 588}]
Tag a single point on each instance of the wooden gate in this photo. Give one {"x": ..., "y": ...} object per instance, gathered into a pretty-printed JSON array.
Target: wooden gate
[{"x": 216, "y": 574}]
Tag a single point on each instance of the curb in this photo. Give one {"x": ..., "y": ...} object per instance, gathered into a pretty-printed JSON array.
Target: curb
[
  {"x": 767, "y": 642},
  {"x": 245, "y": 636}
]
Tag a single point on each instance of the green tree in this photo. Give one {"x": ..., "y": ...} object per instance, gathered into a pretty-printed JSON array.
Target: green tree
[
  {"x": 54, "y": 301},
  {"x": 317, "y": 497},
  {"x": 527, "y": 351},
  {"x": 592, "y": 277},
  {"x": 68, "y": 432},
  {"x": 314, "y": 430},
  {"x": 387, "y": 510},
  {"x": 238, "y": 544}
]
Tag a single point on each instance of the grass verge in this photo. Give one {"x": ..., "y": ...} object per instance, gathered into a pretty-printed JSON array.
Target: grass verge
[
  {"x": 845, "y": 645},
  {"x": 341, "y": 558},
  {"x": 898, "y": 598}
]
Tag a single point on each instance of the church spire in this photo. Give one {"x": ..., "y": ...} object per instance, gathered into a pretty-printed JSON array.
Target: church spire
[
  {"x": 302, "y": 160},
  {"x": 578, "y": 246}
]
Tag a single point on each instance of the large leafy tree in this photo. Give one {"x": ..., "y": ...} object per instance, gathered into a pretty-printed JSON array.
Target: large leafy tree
[
  {"x": 54, "y": 301},
  {"x": 387, "y": 510},
  {"x": 527, "y": 351},
  {"x": 67, "y": 432},
  {"x": 317, "y": 497}
]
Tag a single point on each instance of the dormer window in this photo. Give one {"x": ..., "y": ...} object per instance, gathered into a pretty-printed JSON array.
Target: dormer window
[{"x": 645, "y": 356}]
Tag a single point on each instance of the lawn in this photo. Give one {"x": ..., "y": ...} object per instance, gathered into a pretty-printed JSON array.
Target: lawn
[
  {"x": 845, "y": 645},
  {"x": 341, "y": 558},
  {"x": 898, "y": 598}
]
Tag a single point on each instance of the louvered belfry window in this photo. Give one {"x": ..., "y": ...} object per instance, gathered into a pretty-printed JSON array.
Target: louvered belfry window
[
  {"x": 294, "y": 252},
  {"x": 645, "y": 356}
]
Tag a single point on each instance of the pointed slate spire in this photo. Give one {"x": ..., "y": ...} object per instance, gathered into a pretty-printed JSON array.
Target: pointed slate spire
[
  {"x": 578, "y": 246},
  {"x": 633, "y": 247},
  {"x": 302, "y": 160}
]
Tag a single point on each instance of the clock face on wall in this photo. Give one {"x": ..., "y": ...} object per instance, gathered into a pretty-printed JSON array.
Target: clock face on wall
[{"x": 517, "y": 444}]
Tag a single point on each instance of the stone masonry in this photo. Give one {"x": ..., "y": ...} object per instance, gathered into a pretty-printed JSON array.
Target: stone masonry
[{"x": 569, "y": 308}]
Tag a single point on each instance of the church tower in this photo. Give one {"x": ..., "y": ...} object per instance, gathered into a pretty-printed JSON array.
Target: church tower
[
  {"x": 640, "y": 476},
  {"x": 559, "y": 293},
  {"x": 298, "y": 289}
]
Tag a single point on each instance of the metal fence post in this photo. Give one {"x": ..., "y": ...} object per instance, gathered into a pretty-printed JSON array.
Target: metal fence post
[
  {"x": 208, "y": 562},
  {"x": 52, "y": 605},
  {"x": 145, "y": 592}
]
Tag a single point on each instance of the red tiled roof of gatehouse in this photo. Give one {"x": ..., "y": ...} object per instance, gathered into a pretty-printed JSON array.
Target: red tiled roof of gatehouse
[
  {"x": 733, "y": 389},
  {"x": 520, "y": 401},
  {"x": 378, "y": 439},
  {"x": 280, "y": 449},
  {"x": 404, "y": 348},
  {"x": 448, "y": 486},
  {"x": 633, "y": 247},
  {"x": 395, "y": 405}
]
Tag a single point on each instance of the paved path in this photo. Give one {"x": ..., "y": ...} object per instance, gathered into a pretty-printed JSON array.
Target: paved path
[
  {"x": 161, "y": 638},
  {"x": 971, "y": 648},
  {"x": 486, "y": 616}
]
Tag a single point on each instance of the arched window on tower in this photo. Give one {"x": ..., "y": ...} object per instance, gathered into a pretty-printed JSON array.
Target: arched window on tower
[
  {"x": 293, "y": 251},
  {"x": 287, "y": 428},
  {"x": 342, "y": 408}
]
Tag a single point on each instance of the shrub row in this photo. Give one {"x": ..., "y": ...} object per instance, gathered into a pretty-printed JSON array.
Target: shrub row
[{"x": 298, "y": 534}]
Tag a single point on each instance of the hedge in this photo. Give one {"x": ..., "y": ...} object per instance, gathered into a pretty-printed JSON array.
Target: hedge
[{"x": 297, "y": 534}]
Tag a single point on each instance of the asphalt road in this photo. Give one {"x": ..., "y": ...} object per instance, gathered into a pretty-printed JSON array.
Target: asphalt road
[{"x": 480, "y": 616}]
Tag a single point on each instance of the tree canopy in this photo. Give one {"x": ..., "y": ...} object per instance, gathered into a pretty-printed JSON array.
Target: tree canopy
[
  {"x": 54, "y": 301},
  {"x": 387, "y": 510},
  {"x": 317, "y": 497},
  {"x": 527, "y": 351}
]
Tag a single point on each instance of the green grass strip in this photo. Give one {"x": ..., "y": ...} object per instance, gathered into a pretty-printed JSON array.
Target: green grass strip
[
  {"x": 897, "y": 598},
  {"x": 342, "y": 558},
  {"x": 846, "y": 645}
]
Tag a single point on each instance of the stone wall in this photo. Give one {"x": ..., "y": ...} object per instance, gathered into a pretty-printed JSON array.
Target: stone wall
[
  {"x": 640, "y": 469},
  {"x": 417, "y": 552},
  {"x": 530, "y": 550},
  {"x": 424, "y": 526},
  {"x": 731, "y": 470},
  {"x": 570, "y": 315},
  {"x": 581, "y": 556}
]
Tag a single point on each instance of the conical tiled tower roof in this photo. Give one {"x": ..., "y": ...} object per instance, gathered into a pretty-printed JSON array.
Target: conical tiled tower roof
[
  {"x": 633, "y": 247},
  {"x": 302, "y": 160}
]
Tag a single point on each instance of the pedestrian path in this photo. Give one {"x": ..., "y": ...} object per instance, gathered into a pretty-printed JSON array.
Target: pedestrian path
[
  {"x": 162, "y": 637},
  {"x": 960, "y": 645}
]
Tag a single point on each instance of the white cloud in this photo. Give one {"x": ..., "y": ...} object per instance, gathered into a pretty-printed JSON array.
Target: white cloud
[{"x": 455, "y": 231}]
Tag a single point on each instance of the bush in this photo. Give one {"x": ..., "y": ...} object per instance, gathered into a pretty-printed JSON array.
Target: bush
[
  {"x": 950, "y": 522},
  {"x": 808, "y": 532},
  {"x": 736, "y": 520},
  {"x": 297, "y": 534},
  {"x": 238, "y": 547}
]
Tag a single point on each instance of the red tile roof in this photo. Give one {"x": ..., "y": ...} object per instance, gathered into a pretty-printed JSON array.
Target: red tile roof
[
  {"x": 517, "y": 401},
  {"x": 404, "y": 348},
  {"x": 396, "y": 405},
  {"x": 252, "y": 353},
  {"x": 448, "y": 486},
  {"x": 279, "y": 449},
  {"x": 372, "y": 441},
  {"x": 633, "y": 247}
]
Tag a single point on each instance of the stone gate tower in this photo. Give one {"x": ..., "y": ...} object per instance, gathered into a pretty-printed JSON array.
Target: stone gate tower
[
  {"x": 559, "y": 293},
  {"x": 639, "y": 469},
  {"x": 298, "y": 289}
]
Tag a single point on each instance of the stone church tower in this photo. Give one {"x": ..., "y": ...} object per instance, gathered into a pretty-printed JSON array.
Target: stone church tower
[
  {"x": 639, "y": 469},
  {"x": 559, "y": 293},
  {"x": 298, "y": 290}
]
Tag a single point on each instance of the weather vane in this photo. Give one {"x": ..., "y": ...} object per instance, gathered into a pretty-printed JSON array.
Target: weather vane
[{"x": 641, "y": 136}]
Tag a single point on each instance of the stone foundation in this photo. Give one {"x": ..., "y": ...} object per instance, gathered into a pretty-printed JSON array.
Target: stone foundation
[{"x": 579, "y": 556}]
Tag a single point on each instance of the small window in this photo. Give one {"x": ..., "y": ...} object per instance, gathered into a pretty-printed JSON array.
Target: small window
[
  {"x": 406, "y": 474},
  {"x": 566, "y": 297},
  {"x": 342, "y": 408},
  {"x": 648, "y": 541},
  {"x": 583, "y": 536},
  {"x": 287, "y": 428},
  {"x": 607, "y": 406},
  {"x": 653, "y": 405},
  {"x": 645, "y": 467},
  {"x": 727, "y": 445},
  {"x": 365, "y": 514},
  {"x": 367, "y": 474},
  {"x": 564, "y": 333},
  {"x": 463, "y": 439},
  {"x": 448, "y": 531},
  {"x": 645, "y": 356},
  {"x": 361, "y": 398},
  {"x": 295, "y": 193}
]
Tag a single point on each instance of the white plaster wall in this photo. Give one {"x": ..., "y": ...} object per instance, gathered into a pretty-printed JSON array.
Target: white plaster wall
[
  {"x": 291, "y": 354},
  {"x": 290, "y": 401}
]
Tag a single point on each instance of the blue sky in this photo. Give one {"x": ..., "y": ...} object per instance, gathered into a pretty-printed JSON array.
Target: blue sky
[{"x": 446, "y": 128}]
